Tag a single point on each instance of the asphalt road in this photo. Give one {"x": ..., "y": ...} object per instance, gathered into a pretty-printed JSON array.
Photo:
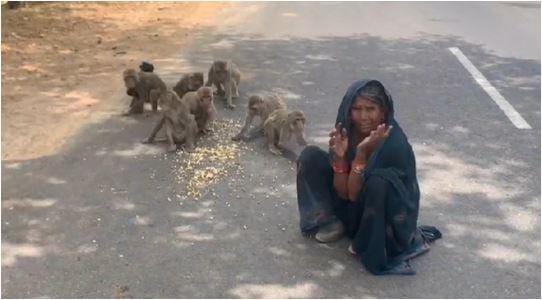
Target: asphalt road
[{"x": 97, "y": 216}]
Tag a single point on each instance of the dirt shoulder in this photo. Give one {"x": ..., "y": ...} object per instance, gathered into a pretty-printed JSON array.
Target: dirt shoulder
[{"x": 61, "y": 64}]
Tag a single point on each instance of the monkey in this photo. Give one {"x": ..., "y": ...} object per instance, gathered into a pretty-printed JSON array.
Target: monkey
[
  {"x": 262, "y": 107},
  {"x": 188, "y": 83},
  {"x": 225, "y": 73},
  {"x": 146, "y": 67},
  {"x": 200, "y": 104},
  {"x": 130, "y": 79},
  {"x": 279, "y": 127},
  {"x": 181, "y": 126},
  {"x": 143, "y": 87}
]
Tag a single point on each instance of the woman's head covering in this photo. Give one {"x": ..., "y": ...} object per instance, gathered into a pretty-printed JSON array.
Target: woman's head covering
[{"x": 372, "y": 90}]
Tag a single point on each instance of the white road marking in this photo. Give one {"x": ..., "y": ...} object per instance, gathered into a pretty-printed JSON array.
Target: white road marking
[{"x": 504, "y": 105}]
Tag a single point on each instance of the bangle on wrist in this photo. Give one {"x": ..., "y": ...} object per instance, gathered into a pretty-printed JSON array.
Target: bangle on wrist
[{"x": 340, "y": 168}]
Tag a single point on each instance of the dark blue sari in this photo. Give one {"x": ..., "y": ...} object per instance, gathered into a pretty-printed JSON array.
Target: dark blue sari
[{"x": 383, "y": 221}]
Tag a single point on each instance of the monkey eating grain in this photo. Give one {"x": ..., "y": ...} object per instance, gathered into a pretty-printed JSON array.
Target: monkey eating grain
[
  {"x": 188, "y": 83},
  {"x": 261, "y": 106},
  {"x": 225, "y": 74},
  {"x": 279, "y": 127},
  {"x": 200, "y": 104},
  {"x": 181, "y": 126}
]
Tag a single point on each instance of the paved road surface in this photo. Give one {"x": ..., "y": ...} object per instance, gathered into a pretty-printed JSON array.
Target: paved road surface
[{"x": 97, "y": 216}]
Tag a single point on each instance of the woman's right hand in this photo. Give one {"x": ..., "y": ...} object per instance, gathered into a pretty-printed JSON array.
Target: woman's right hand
[{"x": 338, "y": 141}]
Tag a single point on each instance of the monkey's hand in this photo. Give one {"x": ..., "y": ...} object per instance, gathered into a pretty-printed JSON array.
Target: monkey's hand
[
  {"x": 146, "y": 141},
  {"x": 172, "y": 148},
  {"x": 239, "y": 137},
  {"x": 230, "y": 105},
  {"x": 275, "y": 150},
  {"x": 188, "y": 149}
]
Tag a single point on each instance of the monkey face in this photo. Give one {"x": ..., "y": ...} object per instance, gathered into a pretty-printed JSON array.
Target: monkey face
[
  {"x": 255, "y": 104},
  {"x": 205, "y": 95},
  {"x": 130, "y": 78},
  {"x": 195, "y": 81},
  {"x": 130, "y": 82},
  {"x": 297, "y": 121},
  {"x": 221, "y": 66}
]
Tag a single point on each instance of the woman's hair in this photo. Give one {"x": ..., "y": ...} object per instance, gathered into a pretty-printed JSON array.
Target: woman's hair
[{"x": 374, "y": 91}]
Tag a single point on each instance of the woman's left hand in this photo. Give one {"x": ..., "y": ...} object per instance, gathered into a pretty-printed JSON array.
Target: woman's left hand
[{"x": 369, "y": 144}]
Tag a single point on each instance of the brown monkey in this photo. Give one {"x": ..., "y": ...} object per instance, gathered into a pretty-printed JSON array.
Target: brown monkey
[
  {"x": 279, "y": 127},
  {"x": 180, "y": 124},
  {"x": 144, "y": 87},
  {"x": 200, "y": 104},
  {"x": 130, "y": 81},
  {"x": 262, "y": 107},
  {"x": 225, "y": 73},
  {"x": 188, "y": 83}
]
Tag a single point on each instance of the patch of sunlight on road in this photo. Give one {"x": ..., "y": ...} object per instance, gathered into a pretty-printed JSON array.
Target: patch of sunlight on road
[
  {"x": 299, "y": 290},
  {"x": 28, "y": 202},
  {"x": 289, "y": 15},
  {"x": 54, "y": 180},
  {"x": 336, "y": 269},
  {"x": 139, "y": 149},
  {"x": 287, "y": 94},
  {"x": 223, "y": 44},
  {"x": 443, "y": 176},
  {"x": 11, "y": 252},
  {"x": 502, "y": 253},
  {"x": 320, "y": 57}
]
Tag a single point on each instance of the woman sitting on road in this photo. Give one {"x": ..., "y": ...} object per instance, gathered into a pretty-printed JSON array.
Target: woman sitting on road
[{"x": 366, "y": 186}]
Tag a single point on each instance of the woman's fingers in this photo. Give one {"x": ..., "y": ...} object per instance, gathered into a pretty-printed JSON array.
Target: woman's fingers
[
  {"x": 344, "y": 134},
  {"x": 388, "y": 131}
]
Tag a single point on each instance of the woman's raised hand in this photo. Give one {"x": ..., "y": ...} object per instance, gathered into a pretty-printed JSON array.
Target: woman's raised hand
[
  {"x": 338, "y": 141},
  {"x": 369, "y": 144}
]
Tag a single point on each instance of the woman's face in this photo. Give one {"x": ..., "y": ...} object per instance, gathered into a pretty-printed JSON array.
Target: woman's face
[{"x": 366, "y": 115}]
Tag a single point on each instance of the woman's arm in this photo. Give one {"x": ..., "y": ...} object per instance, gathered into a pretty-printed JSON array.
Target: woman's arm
[
  {"x": 338, "y": 145},
  {"x": 340, "y": 177},
  {"x": 363, "y": 152},
  {"x": 355, "y": 180}
]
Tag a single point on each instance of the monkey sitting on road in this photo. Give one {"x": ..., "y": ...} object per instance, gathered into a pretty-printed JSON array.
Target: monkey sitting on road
[
  {"x": 200, "y": 104},
  {"x": 262, "y": 107},
  {"x": 180, "y": 124},
  {"x": 226, "y": 74},
  {"x": 188, "y": 83},
  {"x": 146, "y": 67},
  {"x": 143, "y": 87},
  {"x": 279, "y": 127}
]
